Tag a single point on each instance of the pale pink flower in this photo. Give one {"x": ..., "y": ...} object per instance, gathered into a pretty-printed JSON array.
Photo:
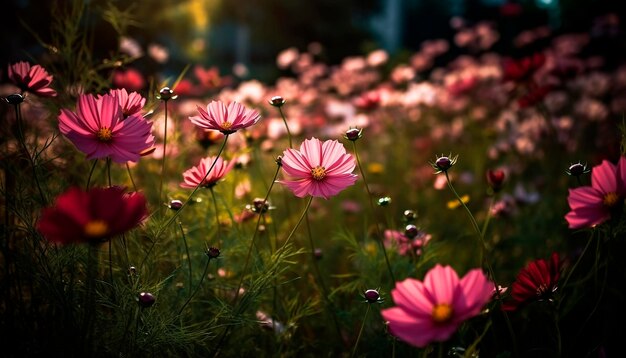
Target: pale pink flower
[
  {"x": 33, "y": 79},
  {"x": 197, "y": 176},
  {"x": 131, "y": 103},
  {"x": 320, "y": 169},
  {"x": 225, "y": 119},
  {"x": 432, "y": 310},
  {"x": 98, "y": 129},
  {"x": 593, "y": 205}
]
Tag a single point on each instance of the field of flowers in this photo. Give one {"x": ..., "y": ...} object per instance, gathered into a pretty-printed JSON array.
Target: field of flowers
[{"x": 456, "y": 202}]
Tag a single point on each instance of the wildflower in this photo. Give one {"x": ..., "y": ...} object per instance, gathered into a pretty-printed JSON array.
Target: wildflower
[
  {"x": 33, "y": 79},
  {"x": 213, "y": 252},
  {"x": 194, "y": 177},
  {"x": 537, "y": 281},
  {"x": 432, "y": 310},
  {"x": 225, "y": 119},
  {"x": 453, "y": 204},
  {"x": 320, "y": 169},
  {"x": 131, "y": 103},
  {"x": 93, "y": 216},
  {"x": 277, "y": 101},
  {"x": 595, "y": 204},
  {"x": 523, "y": 69},
  {"x": 98, "y": 129},
  {"x": 408, "y": 243}
]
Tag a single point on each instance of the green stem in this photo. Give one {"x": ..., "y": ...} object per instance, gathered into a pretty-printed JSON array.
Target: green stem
[
  {"x": 286, "y": 125},
  {"x": 488, "y": 216},
  {"x": 130, "y": 175},
  {"x": 217, "y": 217},
  {"x": 254, "y": 235},
  {"x": 358, "y": 339},
  {"x": 164, "y": 154},
  {"x": 182, "y": 231},
  {"x": 582, "y": 254},
  {"x": 177, "y": 213},
  {"x": 110, "y": 244},
  {"x": 206, "y": 269},
  {"x": 22, "y": 140},
  {"x": 483, "y": 259},
  {"x": 93, "y": 167},
  {"x": 369, "y": 197}
]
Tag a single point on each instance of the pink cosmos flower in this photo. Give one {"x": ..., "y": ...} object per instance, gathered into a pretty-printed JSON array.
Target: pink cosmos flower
[
  {"x": 432, "y": 310},
  {"x": 194, "y": 177},
  {"x": 131, "y": 103},
  {"x": 93, "y": 216},
  {"x": 33, "y": 79},
  {"x": 98, "y": 129},
  {"x": 593, "y": 205},
  {"x": 131, "y": 79},
  {"x": 225, "y": 119},
  {"x": 318, "y": 169}
]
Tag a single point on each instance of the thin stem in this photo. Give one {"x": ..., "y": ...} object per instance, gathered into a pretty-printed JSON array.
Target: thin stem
[
  {"x": 358, "y": 339},
  {"x": 164, "y": 154},
  {"x": 488, "y": 217},
  {"x": 369, "y": 197},
  {"x": 93, "y": 167},
  {"x": 286, "y": 125},
  {"x": 110, "y": 244},
  {"x": 130, "y": 175},
  {"x": 22, "y": 140},
  {"x": 176, "y": 213},
  {"x": 254, "y": 235},
  {"x": 306, "y": 209},
  {"x": 318, "y": 273},
  {"x": 483, "y": 259},
  {"x": 217, "y": 217},
  {"x": 206, "y": 269},
  {"x": 182, "y": 231},
  {"x": 582, "y": 254}
]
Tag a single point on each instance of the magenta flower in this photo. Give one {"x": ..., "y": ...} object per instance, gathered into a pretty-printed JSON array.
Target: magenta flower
[
  {"x": 318, "y": 169},
  {"x": 593, "y": 205},
  {"x": 225, "y": 119},
  {"x": 537, "y": 281},
  {"x": 195, "y": 176},
  {"x": 131, "y": 103},
  {"x": 33, "y": 79},
  {"x": 93, "y": 216},
  {"x": 99, "y": 130},
  {"x": 432, "y": 310}
]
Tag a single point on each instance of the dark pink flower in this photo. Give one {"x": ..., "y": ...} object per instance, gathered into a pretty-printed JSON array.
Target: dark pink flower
[
  {"x": 593, "y": 205},
  {"x": 537, "y": 281},
  {"x": 318, "y": 169},
  {"x": 432, "y": 310},
  {"x": 131, "y": 79},
  {"x": 33, "y": 79},
  {"x": 195, "y": 176},
  {"x": 225, "y": 119},
  {"x": 131, "y": 103},
  {"x": 99, "y": 130},
  {"x": 93, "y": 216}
]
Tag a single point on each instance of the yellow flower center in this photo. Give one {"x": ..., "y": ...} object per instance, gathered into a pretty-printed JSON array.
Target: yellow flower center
[
  {"x": 226, "y": 125},
  {"x": 318, "y": 173},
  {"x": 442, "y": 313},
  {"x": 104, "y": 134},
  {"x": 96, "y": 228},
  {"x": 611, "y": 199}
]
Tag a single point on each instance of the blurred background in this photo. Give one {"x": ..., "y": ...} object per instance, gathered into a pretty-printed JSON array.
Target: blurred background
[{"x": 245, "y": 36}]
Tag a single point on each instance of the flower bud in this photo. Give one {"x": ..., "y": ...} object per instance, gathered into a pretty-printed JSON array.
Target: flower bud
[
  {"x": 353, "y": 134},
  {"x": 409, "y": 215},
  {"x": 165, "y": 94},
  {"x": 384, "y": 201},
  {"x": 495, "y": 178},
  {"x": 277, "y": 101},
  {"x": 146, "y": 299},
  {"x": 372, "y": 296},
  {"x": 577, "y": 169},
  {"x": 443, "y": 163},
  {"x": 260, "y": 205},
  {"x": 411, "y": 231},
  {"x": 213, "y": 252},
  {"x": 14, "y": 99},
  {"x": 176, "y": 205}
]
